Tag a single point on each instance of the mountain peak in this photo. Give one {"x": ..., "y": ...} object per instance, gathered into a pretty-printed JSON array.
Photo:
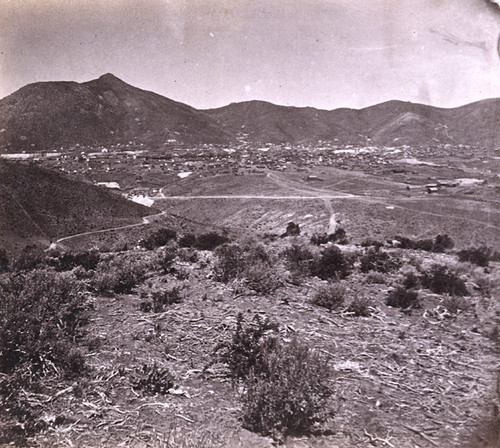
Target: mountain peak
[{"x": 109, "y": 77}]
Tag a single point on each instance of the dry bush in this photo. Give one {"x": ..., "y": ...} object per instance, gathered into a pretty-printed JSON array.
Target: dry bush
[
  {"x": 455, "y": 304},
  {"x": 154, "y": 380},
  {"x": 159, "y": 238},
  {"x": 442, "y": 281},
  {"x": 285, "y": 385},
  {"x": 41, "y": 317},
  {"x": 378, "y": 260},
  {"x": 331, "y": 296},
  {"x": 288, "y": 393},
  {"x": 360, "y": 306},
  {"x": 376, "y": 278},
  {"x": 41, "y": 313},
  {"x": 118, "y": 276},
  {"x": 331, "y": 264},
  {"x": 248, "y": 262},
  {"x": 403, "y": 298}
]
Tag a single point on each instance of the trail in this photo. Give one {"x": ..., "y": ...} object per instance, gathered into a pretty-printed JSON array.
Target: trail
[
  {"x": 145, "y": 221},
  {"x": 332, "y": 223},
  {"x": 249, "y": 196}
]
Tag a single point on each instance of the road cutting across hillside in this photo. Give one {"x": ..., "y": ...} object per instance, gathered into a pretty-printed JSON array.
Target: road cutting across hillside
[{"x": 145, "y": 221}]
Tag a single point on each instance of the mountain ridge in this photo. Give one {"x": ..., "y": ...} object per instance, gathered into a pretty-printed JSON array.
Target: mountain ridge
[{"x": 47, "y": 115}]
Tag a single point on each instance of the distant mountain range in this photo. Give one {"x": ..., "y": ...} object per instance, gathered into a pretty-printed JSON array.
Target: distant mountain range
[
  {"x": 44, "y": 116},
  {"x": 38, "y": 206}
]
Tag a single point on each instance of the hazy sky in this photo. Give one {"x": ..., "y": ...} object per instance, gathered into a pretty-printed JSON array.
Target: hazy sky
[{"x": 208, "y": 53}]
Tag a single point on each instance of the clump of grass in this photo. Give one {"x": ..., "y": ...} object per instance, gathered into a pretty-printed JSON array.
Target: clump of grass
[{"x": 331, "y": 296}]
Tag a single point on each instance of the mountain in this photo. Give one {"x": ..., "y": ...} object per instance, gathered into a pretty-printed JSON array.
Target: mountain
[
  {"x": 389, "y": 123},
  {"x": 47, "y": 115},
  {"x": 37, "y": 205}
]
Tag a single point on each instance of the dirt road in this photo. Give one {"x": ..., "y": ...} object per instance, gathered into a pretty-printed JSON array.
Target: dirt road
[{"x": 145, "y": 221}]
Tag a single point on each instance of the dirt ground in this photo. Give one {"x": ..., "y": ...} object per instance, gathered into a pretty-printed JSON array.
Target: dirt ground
[{"x": 422, "y": 378}]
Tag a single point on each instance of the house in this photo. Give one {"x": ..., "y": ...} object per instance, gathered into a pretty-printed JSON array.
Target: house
[{"x": 432, "y": 188}]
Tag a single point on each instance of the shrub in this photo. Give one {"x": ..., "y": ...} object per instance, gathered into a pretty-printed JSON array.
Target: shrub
[
  {"x": 41, "y": 313},
  {"x": 292, "y": 229},
  {"x": 377, "y": 260},
  {"x": 187, "y": 240},
  {"x": 371, "y": 242},
  {"x": 251, "y": 264},
  {"x": 376, "y": 277},
  {"x": 261, "y": 278},
  {"x": 299, "y": 258},
  {"x": 248, "y": 345},
  {"x": 118, "y": 276},
  {"x": 87, "y": 260},
  {"x": 288, "y": 393},
  {"x": 230, "y": 262},
  {"x": 159, "y": 238},
  {"x": 404, "y": 242},
  {"x": 455, "y": 304},
  {"x": 285, "y": 385},
  {"x": 209, "y": 241},
  {"x": 427, "y": 245},
  {"x": 167, "y": 258},
  {"x": 403, "y": 298},
  {"x": 30, "y": 258},
  {"x": 166, "y": 297},
  {"x": 442, "y": 242},
  {"x": 330, "y": 296},
  {"x": 187, "y": 255},
  {"x": 476, "y": 255},
  {"x": 331, "y": 264},
  {"x": 339, "y": 236},
  {"x": 320, "y": 238},
  {"x": 410, "y": 281},
  {"x": 441, "y": 281},
  {"x": 154, "y": 380},
  {"x": 360, "y": 307}
]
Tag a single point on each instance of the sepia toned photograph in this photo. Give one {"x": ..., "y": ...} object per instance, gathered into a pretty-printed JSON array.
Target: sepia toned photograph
[{"x": 250, "y": 224}]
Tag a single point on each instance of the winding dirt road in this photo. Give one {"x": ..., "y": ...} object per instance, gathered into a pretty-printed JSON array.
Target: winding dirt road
[{"x": 145, "y": 221}]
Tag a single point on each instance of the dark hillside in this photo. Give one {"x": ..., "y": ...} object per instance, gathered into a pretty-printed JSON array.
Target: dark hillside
[
  {"x": 40, "y": 205},
  {"x": 46, "y": 115}
]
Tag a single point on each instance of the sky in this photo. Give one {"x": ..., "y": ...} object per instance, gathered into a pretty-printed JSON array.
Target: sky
[{"x": 209, "y": 53}]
